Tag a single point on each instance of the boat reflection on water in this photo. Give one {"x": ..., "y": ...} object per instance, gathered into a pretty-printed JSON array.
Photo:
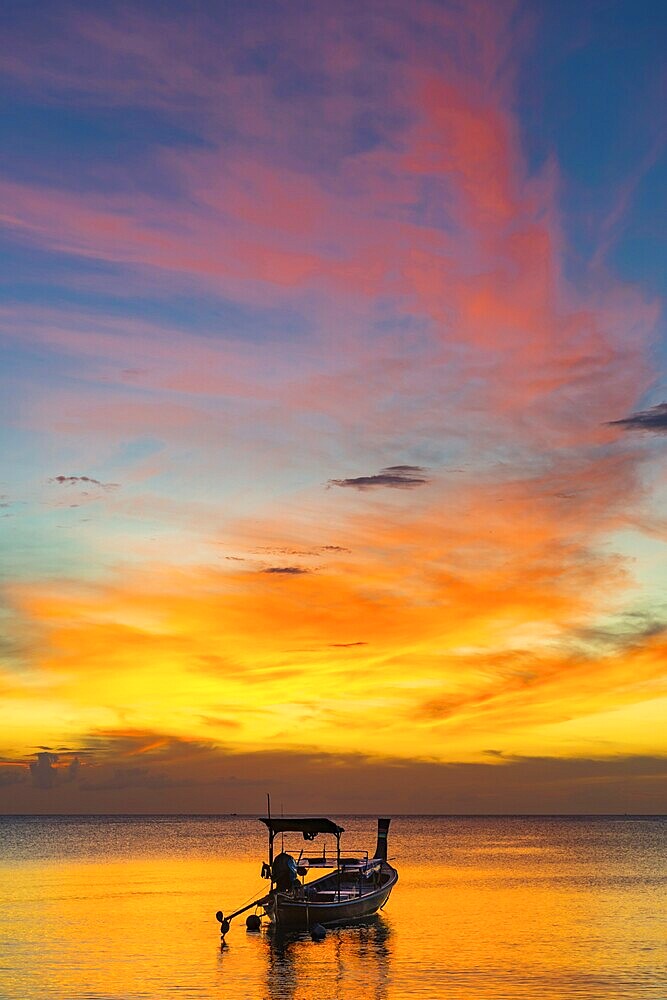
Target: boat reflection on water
[{"x": 352, "y": 962}]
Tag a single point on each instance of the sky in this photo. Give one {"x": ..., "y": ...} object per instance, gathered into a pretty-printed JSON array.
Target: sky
[{"x": 333, "y": 406}]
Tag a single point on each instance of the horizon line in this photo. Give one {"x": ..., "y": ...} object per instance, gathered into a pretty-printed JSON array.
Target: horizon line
[{"x": 351, "y": 815}]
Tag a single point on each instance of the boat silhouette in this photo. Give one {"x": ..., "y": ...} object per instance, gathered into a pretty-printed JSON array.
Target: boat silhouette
[{"x": 353, "y": 888}]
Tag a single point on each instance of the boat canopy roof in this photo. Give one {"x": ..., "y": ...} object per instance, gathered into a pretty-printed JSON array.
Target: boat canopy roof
[{"x": 309, "y": 826}]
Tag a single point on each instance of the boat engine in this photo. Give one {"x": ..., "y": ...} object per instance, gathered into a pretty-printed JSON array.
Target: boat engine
[{"x": 285, "y": 872}]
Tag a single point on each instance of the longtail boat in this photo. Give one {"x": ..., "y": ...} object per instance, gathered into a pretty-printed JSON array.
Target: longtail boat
[{"x": 354, "y": 887}]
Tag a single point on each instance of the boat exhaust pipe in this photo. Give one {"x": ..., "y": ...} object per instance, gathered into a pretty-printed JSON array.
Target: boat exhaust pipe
[{"x": 381, "y": 846}]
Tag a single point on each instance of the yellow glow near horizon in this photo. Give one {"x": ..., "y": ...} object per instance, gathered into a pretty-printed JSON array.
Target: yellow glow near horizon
[{"x": 332, "y": 662}]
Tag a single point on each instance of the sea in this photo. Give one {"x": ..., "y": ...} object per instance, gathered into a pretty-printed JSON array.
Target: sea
[{"x": 486, "y": 908}]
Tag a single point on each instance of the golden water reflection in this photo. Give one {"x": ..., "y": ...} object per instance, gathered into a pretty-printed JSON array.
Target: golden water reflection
[{"x": 481, "y": 912}]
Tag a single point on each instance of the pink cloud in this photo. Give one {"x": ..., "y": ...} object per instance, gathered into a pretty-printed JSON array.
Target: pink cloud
[{"x": 440, "y": 220}]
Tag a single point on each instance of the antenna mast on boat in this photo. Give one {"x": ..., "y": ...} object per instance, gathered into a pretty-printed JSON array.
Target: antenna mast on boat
[{"x": 268, "y": 810}]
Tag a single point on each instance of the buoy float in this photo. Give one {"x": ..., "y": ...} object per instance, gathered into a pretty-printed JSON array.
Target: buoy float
[
  {"x": 318, "y": 933},
  {"x": 253, "y": 922}
]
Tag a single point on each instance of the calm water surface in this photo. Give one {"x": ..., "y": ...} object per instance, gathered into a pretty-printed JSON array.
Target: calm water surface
[{"x": 117, "y": 908}]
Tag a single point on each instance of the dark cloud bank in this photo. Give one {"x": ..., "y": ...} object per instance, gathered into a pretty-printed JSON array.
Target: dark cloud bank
[{"x": 183, "y": 777}]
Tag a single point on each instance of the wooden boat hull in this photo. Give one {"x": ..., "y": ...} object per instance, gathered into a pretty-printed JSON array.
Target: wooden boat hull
[{"x": 290, "y": 914}]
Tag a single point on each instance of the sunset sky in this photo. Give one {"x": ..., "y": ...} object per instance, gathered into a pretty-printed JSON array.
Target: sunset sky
[{"x": 333, "y": 406}]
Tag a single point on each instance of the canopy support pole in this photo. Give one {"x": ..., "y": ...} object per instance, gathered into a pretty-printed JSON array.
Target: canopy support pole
[{"x": 338, "y": 862}]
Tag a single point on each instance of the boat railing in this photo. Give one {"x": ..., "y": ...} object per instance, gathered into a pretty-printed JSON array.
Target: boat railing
[{"x": 352, "y": 859}]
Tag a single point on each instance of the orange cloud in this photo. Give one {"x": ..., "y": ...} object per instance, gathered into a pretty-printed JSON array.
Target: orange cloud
[{"x": 468, "y": 620}]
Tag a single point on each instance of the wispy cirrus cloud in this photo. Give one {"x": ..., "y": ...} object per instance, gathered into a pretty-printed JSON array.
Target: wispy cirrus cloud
[
  {"x": 286, "y": 570},
  {"x": 76, "y": 480}
]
